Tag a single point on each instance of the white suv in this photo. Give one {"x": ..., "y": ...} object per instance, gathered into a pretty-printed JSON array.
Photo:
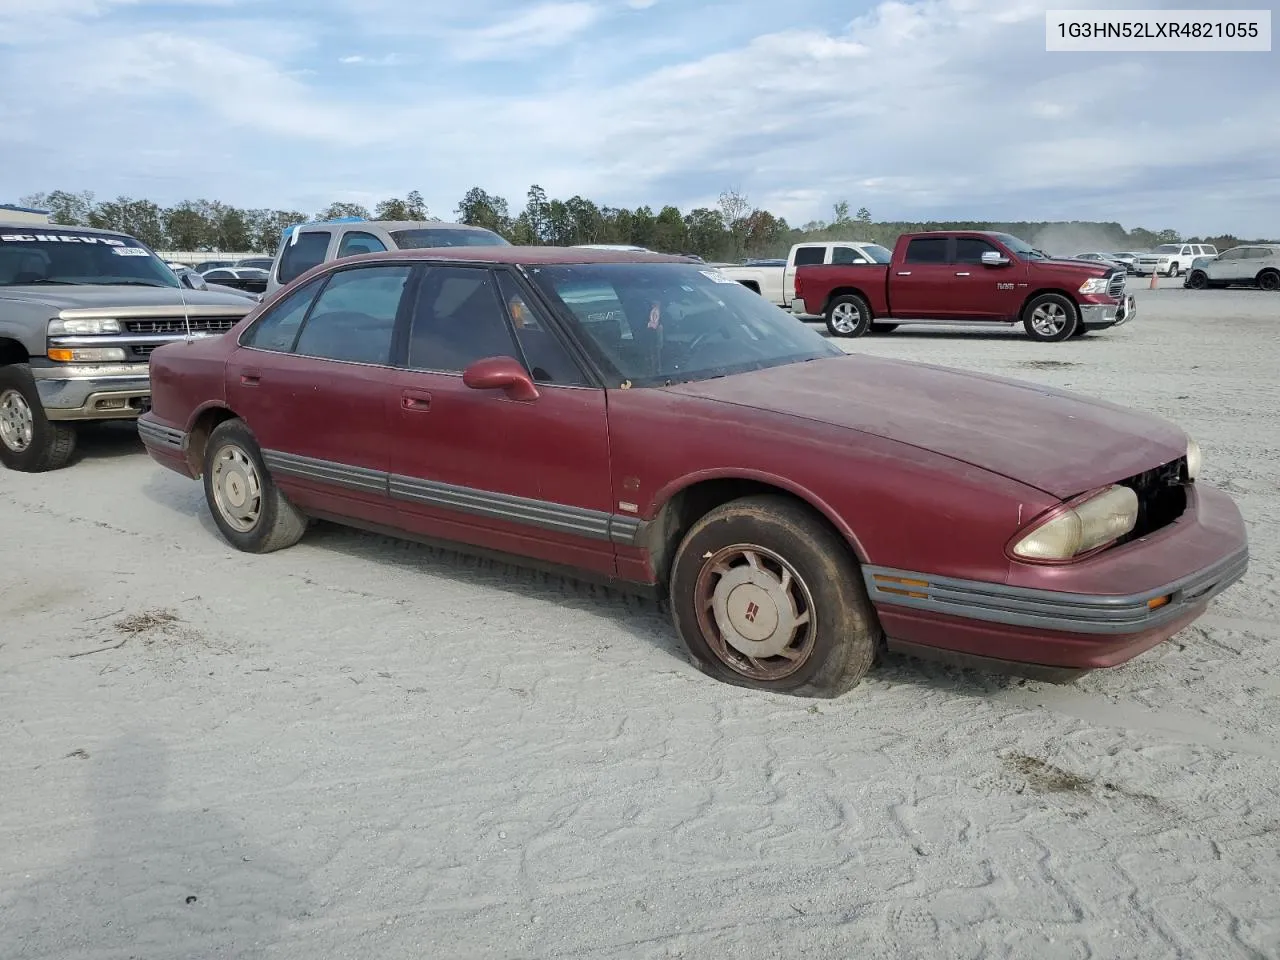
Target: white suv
[{"x": 1173, "y": 259}]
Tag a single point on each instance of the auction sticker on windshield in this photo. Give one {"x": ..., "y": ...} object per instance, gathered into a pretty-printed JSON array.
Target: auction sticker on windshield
[
  {"x": 715, "y": 276},
  {"x": 130, "y": 252}
]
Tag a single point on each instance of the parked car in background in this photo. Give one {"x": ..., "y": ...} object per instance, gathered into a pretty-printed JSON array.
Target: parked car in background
[
  {"x": 80, "y": 312},
  {"x": 204, "y": 265},
  {"x": 1173, "y": 259},
  {"x": 1129, "y": 259},
  {"x": 194, "y": 281},
  {"x": 1255, "y": 264},
  {"x": 776, "y": 282},
  {"x": 242, "y": 278},
  {"x": 651, "y": 423},
  {"x": 966, "y": 277},
  {"x": 253, "y": 263},
  {"x": 310, "y": 244},
  {"x": 1104, "y": 258}
]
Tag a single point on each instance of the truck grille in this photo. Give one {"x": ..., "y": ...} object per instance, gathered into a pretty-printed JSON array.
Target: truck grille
[
  {"x": 1116, "y": 287},
  {"x": 179, "y": 325}
]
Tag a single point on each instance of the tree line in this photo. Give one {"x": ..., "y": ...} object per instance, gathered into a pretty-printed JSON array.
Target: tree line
[{"x": 732, "y": 230}]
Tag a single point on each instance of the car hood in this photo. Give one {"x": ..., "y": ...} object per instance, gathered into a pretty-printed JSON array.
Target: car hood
[
  {"x": 1083, "y": 266},
  {"x": 69, "y": 298},
  {"x": 1058, "y": 442}
]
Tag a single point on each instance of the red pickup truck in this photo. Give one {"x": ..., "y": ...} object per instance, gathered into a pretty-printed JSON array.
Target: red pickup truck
[{"x": 965, "y": 277}]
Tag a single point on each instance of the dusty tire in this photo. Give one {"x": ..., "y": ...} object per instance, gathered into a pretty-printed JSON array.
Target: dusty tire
[
  {"x": 1198, "y": 280},
  {"x": 883, "y": 327},
  {"x": 1269, "y": 280},
  {"x": 1050, "y": 317},
  {"x": 249, "y": 509},
  {"x": 816, "y": 614},
  {"x": 29, "y": 441},
  {"x": 848, "y": 315}
]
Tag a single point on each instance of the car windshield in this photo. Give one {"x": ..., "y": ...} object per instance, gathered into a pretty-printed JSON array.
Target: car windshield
[
  {"x": 77, "y": 258},
  {"x": 1020, "y": 247},
  {"x": 878, "y": 253},
  {"x": 658, "y": 324},
  {"x": 1169, "y": 248},
  {"x": 423, "y": 238}
]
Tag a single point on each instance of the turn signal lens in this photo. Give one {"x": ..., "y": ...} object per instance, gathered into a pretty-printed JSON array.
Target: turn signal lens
[
  {"x": 87, "y": 354},
  {"x": 1089, "y": 525}
]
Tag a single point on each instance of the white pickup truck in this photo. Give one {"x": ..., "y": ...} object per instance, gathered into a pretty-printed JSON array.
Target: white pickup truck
[{"x": 777, "y": 283}]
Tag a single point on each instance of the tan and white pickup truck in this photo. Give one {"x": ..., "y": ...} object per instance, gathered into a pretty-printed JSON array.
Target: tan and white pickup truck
[
  {"x": 777, "y": 283},
  {"x": 80, "y": 312}
]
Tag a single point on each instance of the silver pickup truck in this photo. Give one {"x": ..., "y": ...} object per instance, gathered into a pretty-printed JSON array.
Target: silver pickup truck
[{"x": 80, "y": 312}]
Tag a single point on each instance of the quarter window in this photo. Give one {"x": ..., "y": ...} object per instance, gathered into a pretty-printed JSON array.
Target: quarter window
[
  {"x": 357, "y": 241},
  {"x": 354, "y": 318},
  {"x": 303, "y": 253},
  {"x": 458, "y": 319},
  {"x": 927, "y": 250},
  {"x": 277, "y": 329},
  {"x": 547, "y": 359}
]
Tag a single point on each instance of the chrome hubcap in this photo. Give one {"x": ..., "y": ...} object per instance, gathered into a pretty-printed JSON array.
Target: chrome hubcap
[
  {"x": 755, "y": 611},
  {"x": 237, "y": 488},
  {"x": 17, "y": 424},
  {"x": 1049, "y": 319},
  {"x": 845, "y": 317}
]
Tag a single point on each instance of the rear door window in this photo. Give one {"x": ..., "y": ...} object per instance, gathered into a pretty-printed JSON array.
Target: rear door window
[
  {"x": 927, "y": 250},
  {"x": 810, "y": 255},
  {"x": 358, "y": 241},
  {"x": 354, "y": 318},
  {"x": 302, "y": 252}
]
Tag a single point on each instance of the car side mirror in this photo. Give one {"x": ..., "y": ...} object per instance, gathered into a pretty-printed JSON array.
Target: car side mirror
[
  {"x": 193, "y": 281},
  {"x": 501, "y": 373},
  {"x": 992, "y": 258}
]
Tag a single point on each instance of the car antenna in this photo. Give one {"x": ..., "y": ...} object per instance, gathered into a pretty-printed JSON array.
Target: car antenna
[{"x": 186, "y": 312}]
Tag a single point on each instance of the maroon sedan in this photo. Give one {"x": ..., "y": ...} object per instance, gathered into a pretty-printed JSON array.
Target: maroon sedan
[{"x": 645, "y": 420}]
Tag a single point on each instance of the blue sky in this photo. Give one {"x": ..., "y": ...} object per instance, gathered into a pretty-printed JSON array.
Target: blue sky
[{"x": 921, "y": 109}]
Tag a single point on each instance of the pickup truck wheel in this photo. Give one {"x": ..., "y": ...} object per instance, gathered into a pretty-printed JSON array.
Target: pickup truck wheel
[
  {"x": 1269, "y": 280},
  {"x": 765, "y": 595},
  {"x": 250, "y": 510},
  {"x": 883, "y": 327},
  {"x": 1198, "y": 280},
  {"x": 1050, "y": 317},
  {"x": 29, "y": 441},
  {"x": 848, "y": 316}
]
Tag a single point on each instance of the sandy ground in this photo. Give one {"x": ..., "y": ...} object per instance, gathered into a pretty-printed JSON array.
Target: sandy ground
[{"x": 364, "y": 748}]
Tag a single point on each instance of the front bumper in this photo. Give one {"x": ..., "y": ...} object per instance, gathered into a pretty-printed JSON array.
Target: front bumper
[
  {"x": 1168, "y": 578},
  {"x": 1098, "y": 316},
  {"x": 116, "y": 391}
]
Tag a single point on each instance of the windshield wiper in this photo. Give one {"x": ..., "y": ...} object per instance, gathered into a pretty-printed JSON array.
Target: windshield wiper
[
  {"x": 61, "y": 283},
  {"x": 137, "y": 283}
]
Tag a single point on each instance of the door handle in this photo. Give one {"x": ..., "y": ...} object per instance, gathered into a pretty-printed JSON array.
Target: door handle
[
  {"x": 904, "y": 273},
  {"x": 964, "y": 274},
  {"x": 250, "y": 378},
  {"x": 415, "y": 401}
]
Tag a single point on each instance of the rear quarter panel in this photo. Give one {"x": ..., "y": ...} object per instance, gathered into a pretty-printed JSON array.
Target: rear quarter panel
[
  {"x": 897, "y": 505},
  {"x": 188, "y": 378},
  {"x": 820, "y": 283}
]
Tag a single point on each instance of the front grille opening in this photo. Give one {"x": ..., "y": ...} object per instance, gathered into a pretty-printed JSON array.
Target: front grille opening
[{"x": 1162, "y": 497}]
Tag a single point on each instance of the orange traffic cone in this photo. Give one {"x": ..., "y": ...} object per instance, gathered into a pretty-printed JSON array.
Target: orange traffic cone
[{"x": 1155, "y": 277}]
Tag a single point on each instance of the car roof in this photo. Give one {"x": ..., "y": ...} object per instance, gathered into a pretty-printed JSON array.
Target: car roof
[
  {"x": 519, "y": 254},
  {"x": 389, "y": 225},
  {"x": 57, "y": 228}
]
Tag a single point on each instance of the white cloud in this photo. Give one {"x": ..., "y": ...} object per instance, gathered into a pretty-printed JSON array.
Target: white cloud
[{"x": 944, "y": 108}]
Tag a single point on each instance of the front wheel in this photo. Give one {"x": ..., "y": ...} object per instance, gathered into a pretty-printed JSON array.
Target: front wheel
[
  {"x": 250, "y": 510},
  {"x": 1269, "y": 280},
  {"x": 766, "y": 595},
  {"x": 848, "y": 315},
  {"x": 29, "y": 441},
  {"x": 1050, "y": 317},
  {"x": 1173, "y": 270},
  {"x": 1198, "y": 280}
]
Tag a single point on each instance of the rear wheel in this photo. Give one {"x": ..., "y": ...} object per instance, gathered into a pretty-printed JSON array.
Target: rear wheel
[
  {"x": 848, "y": 315},
  {"x": 766, "y": 595},
  {"x": 1269, "y": 280},
  {"x": 29, "y": 441},
  {"x": 1198, "y": 280},
  {"x": 250, "y": 510},
  {"x": 1050, "y": 317}
]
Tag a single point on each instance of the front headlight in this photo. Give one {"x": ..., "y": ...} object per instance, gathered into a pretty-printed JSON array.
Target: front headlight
[
  {"x": 91, "y": 327},
  {"x": 1094, "y": 285},
  {"x": 1087, "y": 526},
  {"x": 1193, "y": 459}
]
